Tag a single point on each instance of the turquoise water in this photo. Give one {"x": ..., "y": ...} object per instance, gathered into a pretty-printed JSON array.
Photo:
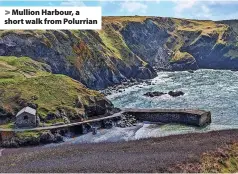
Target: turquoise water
[{"x": 212, "y": 90}]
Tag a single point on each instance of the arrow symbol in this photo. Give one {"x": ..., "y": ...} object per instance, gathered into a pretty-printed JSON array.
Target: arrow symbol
[{"x": 7, "y": 12}]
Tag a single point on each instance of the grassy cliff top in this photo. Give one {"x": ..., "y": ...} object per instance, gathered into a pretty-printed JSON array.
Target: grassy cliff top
[
  {"x": 112, "y": 44},
  {"x": 23, "y": 81},
  {"x": 114, "y": 19}
]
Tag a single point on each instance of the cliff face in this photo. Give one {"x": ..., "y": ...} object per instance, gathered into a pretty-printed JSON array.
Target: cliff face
[
  {"x": 128, "y": 47},
  {"x": 81, "y": 55},
  {"x": 24, "y": 82}
]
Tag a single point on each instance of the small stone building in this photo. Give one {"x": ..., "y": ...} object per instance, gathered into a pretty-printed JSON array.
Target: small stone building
[{"x": 26, "y": 118}]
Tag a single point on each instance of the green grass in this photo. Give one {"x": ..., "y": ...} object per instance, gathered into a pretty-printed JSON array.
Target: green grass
[
  {"x": 7, "y": 126},
  {"x": 22, "y": 79},
  {"x": 54, "y": 121},
  {"x": 27, "y": 134},
  {"x": 14, "y": 69},
  {"x": 204, "y": 28},
  {"x": 179, "y": 56},
  {"x": 23, "y": 32},
  {"x": 116, "y": 45},
  {"x": 114, "y": 41},
  {"x": 124, "y": 19},
  {"x": 222, "y": 161}
]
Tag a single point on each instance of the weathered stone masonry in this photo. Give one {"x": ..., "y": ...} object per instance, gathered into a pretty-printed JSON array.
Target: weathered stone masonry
[{"x": 180, "y": 116}]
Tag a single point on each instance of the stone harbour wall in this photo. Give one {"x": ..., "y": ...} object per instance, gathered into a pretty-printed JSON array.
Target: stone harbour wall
[
  {"x": 54, "y": 133},
  {"x": 180, "y": 116}
]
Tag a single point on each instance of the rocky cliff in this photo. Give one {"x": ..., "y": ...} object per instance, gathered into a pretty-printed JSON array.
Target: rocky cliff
[
  {"x": 128, "y": 47},
  {"x": 57, "y": 98}
]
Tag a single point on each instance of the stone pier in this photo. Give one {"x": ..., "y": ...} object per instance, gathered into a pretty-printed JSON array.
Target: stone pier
[{"x": 180, "y": 116}]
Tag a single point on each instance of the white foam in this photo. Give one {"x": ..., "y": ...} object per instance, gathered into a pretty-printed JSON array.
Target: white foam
[
  {"x": 205, "y": 89},
  {"x": 162, "y": 77}
]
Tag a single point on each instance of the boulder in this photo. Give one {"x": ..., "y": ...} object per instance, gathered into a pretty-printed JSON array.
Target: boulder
[
  {"x": 12, "y": 143},
  {"x": 47, "y": 137},
  {"x": 107, "y": 124},
  {"x": 98, "y": 107},
  {"x": 121, "y": 124},
  {"x": 154, "y": 94},
  {"x": 126, "y": 121},
  {"x": 176, "y": 93},
  {"x": 28, "y": 141},
  {"x": 58, "y": 138},
  {"x": 16, "y": 142}
]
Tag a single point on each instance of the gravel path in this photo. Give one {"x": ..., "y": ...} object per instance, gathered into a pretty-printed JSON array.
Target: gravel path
[{"x": 149, "y": 155}]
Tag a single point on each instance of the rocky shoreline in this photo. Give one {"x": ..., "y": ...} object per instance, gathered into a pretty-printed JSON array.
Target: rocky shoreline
[
  {"x": 46, "y": 137},
  {"x": 118, "y": 88},
  {"x": 35, "y": 139},
  {"x": 158, "y": 94}
]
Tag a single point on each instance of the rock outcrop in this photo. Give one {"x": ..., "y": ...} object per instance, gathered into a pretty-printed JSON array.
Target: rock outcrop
[
  {"x": 154, "y": 94},
  {"x": 57, "y": 98},
  {"x": 176, "y": 93},
  {"x": 126, "y": 120},
  {"x": 128, "y": 47},
  {"x": 32, "y": 139},
  {"x": 158, "y": 94}
]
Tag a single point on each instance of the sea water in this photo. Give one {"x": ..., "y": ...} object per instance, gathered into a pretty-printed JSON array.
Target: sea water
[{"x": 211, "y": 90}]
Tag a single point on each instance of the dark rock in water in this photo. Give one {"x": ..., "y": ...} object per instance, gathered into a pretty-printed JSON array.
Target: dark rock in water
[
  {"x": 148, "y": 83},
  {"x": 175, "y": 93},
  {"x": 154, "y": 94},
  {"x": 190, "y": 71}
]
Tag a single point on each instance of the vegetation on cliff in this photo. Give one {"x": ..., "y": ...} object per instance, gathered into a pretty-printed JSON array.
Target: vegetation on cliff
[
  {"x": 221, "y": 160},
  {"x": 128, "y": 47},
  {"x": 24, "y": 82}
]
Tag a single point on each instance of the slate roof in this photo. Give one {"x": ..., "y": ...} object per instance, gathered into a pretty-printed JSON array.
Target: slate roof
[{"x": 28, "y": 110}]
